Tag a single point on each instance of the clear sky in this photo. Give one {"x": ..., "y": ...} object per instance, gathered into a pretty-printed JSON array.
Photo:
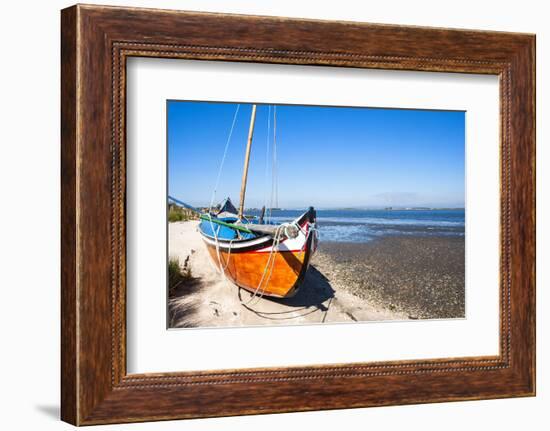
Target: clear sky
[{"x": 327, "y": 157}]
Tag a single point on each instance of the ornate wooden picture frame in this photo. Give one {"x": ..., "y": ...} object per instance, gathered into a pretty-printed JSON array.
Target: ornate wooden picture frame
[{"x": 96, "y": 41}]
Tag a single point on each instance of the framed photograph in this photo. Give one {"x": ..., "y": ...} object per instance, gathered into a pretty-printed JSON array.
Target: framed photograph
[{"x": 266, "y": 215}]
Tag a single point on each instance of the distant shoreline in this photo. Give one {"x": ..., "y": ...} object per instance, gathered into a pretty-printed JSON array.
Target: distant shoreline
[{"x": 388, "y": 208}]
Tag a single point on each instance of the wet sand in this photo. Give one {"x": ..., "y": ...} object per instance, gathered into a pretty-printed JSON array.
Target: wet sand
[
  {"x": 420, "y": 276},
  {"x": 393, "y": 278}
]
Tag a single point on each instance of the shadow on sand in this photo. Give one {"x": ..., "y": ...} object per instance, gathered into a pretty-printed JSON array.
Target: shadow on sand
[
  {"x": 179, "y": 311},
  {"x": 315, "y": 294}
]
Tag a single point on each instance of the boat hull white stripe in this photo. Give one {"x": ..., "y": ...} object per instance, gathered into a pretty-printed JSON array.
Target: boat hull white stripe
[{"x": 237, "y": 244}]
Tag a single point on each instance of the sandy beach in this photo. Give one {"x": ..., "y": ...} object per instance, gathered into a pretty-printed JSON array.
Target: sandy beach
[{"x": 393, "y": 278}]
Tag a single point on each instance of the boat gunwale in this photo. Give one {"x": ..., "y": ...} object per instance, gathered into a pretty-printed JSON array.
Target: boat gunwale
[{"x": 240, "y": 245}]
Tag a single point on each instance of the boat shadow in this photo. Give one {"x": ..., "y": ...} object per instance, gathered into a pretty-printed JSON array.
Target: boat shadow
[
  {"x": 314, "y": 291},
  {"x": 314, "y": 295}
]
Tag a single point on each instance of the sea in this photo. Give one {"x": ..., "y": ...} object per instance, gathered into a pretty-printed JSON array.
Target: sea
[{"x": 355, "y": 225}]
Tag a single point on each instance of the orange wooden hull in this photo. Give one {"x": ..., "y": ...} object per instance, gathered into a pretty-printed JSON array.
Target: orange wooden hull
[
  {"x": 246, "y": 269},
  {"x": 261, "y": 264}
]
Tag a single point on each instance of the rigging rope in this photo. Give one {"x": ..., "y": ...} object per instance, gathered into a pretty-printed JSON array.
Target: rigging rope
[
  {"x": 223, "y": 159},
  {"x": 266, "y": 179},
  {"x": 273, "y": 203},
  {"x": 281, "y": 230},
  {"x": 221, "y": 267},
  {"x": 275, "y": 163}
]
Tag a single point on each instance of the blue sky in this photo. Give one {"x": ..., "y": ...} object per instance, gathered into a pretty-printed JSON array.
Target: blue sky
[{"x": 327, "y": 157}]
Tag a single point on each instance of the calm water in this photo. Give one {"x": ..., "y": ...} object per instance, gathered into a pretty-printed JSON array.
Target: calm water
[{"x": 365, "y": 225}]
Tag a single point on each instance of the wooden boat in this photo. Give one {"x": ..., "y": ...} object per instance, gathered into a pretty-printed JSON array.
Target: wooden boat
[
  {"x": 262, "y": 263},
  {"x": 267, "y": 259}
]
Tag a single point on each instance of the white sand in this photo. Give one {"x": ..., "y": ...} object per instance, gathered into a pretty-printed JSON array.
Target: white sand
[{"x": 214, "y": 301}]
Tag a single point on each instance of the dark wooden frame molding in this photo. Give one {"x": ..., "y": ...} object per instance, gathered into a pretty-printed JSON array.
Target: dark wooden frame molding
[{"x": 95, "y": 43}]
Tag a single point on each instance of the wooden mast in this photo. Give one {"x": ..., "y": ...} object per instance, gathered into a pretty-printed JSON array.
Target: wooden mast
[{"x": 246, "y": 160}]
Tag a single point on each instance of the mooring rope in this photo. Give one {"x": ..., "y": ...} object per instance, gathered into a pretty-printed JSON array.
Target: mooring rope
[
  {"x": 255, "y": 296},
  {"x": 282, "y": 229},
  {"x": 270, "y": 263}
]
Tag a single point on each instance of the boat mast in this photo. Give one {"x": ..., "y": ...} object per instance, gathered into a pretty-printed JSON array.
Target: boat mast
[{"x": 246, "y": 160}]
